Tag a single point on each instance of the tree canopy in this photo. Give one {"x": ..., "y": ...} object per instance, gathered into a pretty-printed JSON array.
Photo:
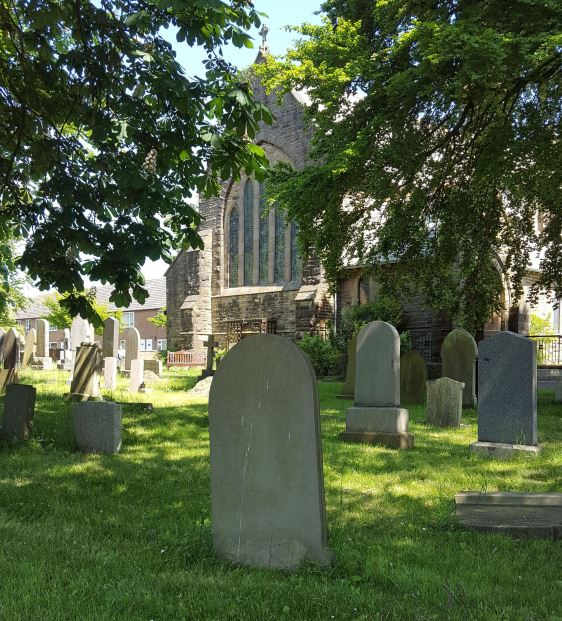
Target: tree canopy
[
  {"x": 104, "y": 138},
  {"x": 12, "y": 297},
  {"x": 58, "y": 315},
  {"x": 436, "y": 147}
]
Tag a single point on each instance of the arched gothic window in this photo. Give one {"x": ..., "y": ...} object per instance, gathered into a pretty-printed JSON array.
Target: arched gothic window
[
  {"x": 249, "y": 233},
  {"x": 295, "y": 256},
  {"x": 264, "y": 239},
  {"x": 233, "y": 248},
  {"x": 279, "y": 253}
]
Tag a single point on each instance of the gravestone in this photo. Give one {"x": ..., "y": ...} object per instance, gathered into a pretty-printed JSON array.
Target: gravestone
[
  {"x": 41, "y": 358},
  {"x": 136, "y": 377},
  {"x": 19, "y": 408},
  {"x": 110, "y": 373},
  {"x": 210, "y": 344},
  {"x": 507, "y": 395},
  {"x": 444, "y": 402},
  {"x": 2, "y": 335},
  {"x": 29, "y": 349},
  {"x": 7, "y": 377},
  {"x": 413, "y": 376},
  {"x": 153, "y": 365},
  {"x": 11, "y": 349},
  {"x": 348, "y": 388},
  {"x": 97, "y": 426},
  {"x": 87, "y": 365},
  {"x": 458, "y": 355},
  {"x": 376, "y": 416},
  {"x": 110, "y": 337},
  {"x": 132, "y": 339},
  {"x": 81, "y": 331},
  {"x": 267, "y": 485}
]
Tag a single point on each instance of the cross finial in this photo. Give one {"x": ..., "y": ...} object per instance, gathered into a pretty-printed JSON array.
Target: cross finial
[{"x": 263, "y": 34}]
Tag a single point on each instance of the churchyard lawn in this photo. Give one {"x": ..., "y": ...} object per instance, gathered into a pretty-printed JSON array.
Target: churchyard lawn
[{"x": 128, "y": 537}]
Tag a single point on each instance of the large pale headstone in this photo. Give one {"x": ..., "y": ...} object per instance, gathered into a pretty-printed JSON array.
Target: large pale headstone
[
  {"x": 507, "y": 394},
  {"x": 110, "y": 337},
  {"x": 444, "y": 402},
  {"x": 348, "y": 388},
  {"x": 267, "y": 486},
  {"x": 85, "y": 382},
  {"x": 81, "y": 331},
  {"x": 41, "y": 357},
  {"x": 413, "y": 376},
  {"x": 132, "y": 339},
  {"x": 29, "y": 349},
  {"x": 458, "y": 355},
  {"x": 136, "y": 377},
  {"x": 376, "y": 416},
  {"x": 11, "y": 349},
  {"x": 110, "y": 373},
  {"x": 19, "y": 408}
]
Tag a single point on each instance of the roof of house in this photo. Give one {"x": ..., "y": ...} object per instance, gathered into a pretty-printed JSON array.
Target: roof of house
[{"x": 156, "y": 299}]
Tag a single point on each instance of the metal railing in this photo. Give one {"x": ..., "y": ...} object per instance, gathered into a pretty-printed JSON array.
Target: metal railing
[{"x": 549, "y": 348}]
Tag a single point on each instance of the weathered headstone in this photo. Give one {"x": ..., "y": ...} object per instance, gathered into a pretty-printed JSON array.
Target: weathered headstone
[
  {"x": 87, "y": 365},
  {"x": 210, "y": 344},
  {"x": 110, "y": 373},
  {"x": 110, "y": 337},
  {"x": 136, "y": 377},
  {"x": 97, "y": 427},
  {"x": 507, "y": 395},
  {"x": 7, "y": 377},
  {"x": 413, "y": 376},
  {"x": 132, "y": 339},
  {"x": 444, "y": 402},
  {"x": 81, "y": 331},
  {"x": 458, "y": 355},
  {"x": 267, "y": 486},
  {"x": 348, "y": 388},
  {"x": 153, "y": 365},
  {"x": 11, "y": 349},
  {"x": 376, "y": 416},
  {"x": 19, "y": 408},
  {"x": 41, "y": 358},
  {"x": 29, "y": 349}
]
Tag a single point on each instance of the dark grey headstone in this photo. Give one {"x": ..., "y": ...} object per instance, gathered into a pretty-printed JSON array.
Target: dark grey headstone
[
  {"x": 458, "y": 354},
  {"x": 267, "y": 486},
  {"x": 11, "y": 349},
  {"x": 110, "y": 339},
  {"x": 19, "y": 409},
  {"x": 97, "y": 427},
  {"x": 413, "y": 376},
  {"x": 507, "y": 389}
]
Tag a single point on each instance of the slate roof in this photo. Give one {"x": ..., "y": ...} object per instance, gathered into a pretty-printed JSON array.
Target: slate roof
[{"x": 156, "y": 300}]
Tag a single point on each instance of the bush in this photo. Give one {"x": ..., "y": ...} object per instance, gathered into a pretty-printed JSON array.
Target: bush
[{"x": 325, "y": 358}]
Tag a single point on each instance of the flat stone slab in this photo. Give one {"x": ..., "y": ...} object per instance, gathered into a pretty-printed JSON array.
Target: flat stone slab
[
  {"x": 517, "y": 514},
  {"x": 504, "y": 451},
  {"x": 400, "y": 440}
]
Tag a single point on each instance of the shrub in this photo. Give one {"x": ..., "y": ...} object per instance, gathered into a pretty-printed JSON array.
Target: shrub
[{"x": 325, "y": 358}]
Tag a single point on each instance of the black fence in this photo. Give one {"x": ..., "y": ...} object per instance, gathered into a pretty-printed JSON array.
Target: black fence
[{"x": 548, "y": 348}]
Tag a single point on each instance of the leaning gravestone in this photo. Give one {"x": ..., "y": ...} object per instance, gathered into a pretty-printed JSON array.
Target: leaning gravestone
[
  {"x": 376, "y": 416},
  {"x": 413, "y": 376},
  {"x": 29, "y": 349},
  {"x": 110, "y": 337},
  {"x": 507, "y": 395},
  {"x": 458, "y": 355},
  {"x": 267, "y": 486},
  {"x": 132, "y": 338},
  {"x": 11, "y": 349},
  {"x": 348, "y": 388},
  {"x": 85, "y": 381},
  {"x": 444, "y": 402},
  {"x": 19, "y": 408},
  {"x": 41, "y": 358}
]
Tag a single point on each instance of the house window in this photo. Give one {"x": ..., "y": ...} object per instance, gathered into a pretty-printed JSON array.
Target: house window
[
  {"x": 52, "y": 328},
  {"x": 279, "y": 257},
  {"x": 264, "y": 239},
  {"x": 162, "y": 345},
  {"x": 128, "y": 320},
  {"x": 249, "y": 233},
  {"x": 295, "y": 257},
  {"x": 27, "y": 325},
  {"x": 233, "y": 248},
  {"x": 53, "y": 346},
  {"x": 148, "y": 345}
]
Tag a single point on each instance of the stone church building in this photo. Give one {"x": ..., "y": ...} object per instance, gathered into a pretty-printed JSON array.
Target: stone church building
[{"x": 250, "y": 278}]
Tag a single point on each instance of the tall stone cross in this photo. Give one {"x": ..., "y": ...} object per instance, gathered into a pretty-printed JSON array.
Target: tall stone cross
[
  {"x": 210, "y": 343},
  {"x": 264, "y": 47}
]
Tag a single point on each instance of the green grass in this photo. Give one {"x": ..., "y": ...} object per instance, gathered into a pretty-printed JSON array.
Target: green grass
[{"x": 128, "y": 537}]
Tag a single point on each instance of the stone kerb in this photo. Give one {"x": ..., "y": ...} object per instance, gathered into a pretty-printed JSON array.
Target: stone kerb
[
  {"x": 97, "y": 427},
  {"x": 376, "y": 416},
  {"x": 413, "y": 376},
  {"x": 444, "y": 402},
  {"x": 507, "y": 395},
  {"x": 267, "y": 486},
  {"x": 459, "y": 353},
  {"x": 132, "y": 352}
]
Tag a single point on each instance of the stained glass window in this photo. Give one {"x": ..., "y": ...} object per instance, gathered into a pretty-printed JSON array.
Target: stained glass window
[
  {"x": 249, "y": 233},
  {"x": 233, "y": 249},
  {"x": 279, "y": 264},
  {"x": 264, "y": 239},
  {"x": 295, "y": 256}
]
